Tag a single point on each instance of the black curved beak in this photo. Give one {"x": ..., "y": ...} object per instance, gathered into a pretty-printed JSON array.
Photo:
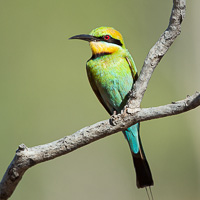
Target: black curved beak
[{"x": 88, "y": 38}]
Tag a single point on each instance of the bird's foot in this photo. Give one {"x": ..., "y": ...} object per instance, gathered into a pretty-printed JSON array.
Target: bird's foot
[{"x": 114, "y": 118}]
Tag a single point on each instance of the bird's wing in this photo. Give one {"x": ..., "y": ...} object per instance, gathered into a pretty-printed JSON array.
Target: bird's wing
[
  {"x": 96, "y": 91},
  {"x": 132, "y": 66}
]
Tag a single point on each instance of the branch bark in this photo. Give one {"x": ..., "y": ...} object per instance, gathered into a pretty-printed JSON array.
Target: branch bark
[
  {"x": 27, "y": 157},
  {"x": 157, "y": 52}
]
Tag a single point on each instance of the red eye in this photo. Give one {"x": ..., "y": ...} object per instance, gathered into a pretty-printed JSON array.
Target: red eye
[{"x": 107, "y": 37}]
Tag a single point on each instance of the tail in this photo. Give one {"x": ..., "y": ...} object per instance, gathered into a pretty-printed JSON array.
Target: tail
[{"x": 143, "y": 172}]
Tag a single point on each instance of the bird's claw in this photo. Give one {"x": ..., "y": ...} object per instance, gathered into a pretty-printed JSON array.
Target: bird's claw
[{"x": 114, "y": 118}]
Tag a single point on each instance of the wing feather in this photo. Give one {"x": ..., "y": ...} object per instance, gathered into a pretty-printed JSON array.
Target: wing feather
[
  {"x": 97, "y": 93},
  {"x": 132, "y": 66}
]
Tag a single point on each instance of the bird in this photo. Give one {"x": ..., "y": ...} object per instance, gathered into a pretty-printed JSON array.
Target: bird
[{"x": 112, "y": 73}]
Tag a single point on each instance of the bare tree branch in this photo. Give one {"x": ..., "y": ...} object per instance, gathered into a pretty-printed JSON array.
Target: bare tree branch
[
  {"x": 27, "y": 157},
  {"x": 157, "y": 52}
]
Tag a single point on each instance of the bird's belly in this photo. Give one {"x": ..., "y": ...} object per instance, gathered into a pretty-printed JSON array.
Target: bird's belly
[{"x": 114, "y": 80}]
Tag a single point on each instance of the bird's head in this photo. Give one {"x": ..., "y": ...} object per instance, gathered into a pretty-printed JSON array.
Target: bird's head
[{"x": 103, "y": 40}]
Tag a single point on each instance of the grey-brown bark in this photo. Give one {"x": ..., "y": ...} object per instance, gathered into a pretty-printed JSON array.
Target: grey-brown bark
[{"x": 27, "y": 157}]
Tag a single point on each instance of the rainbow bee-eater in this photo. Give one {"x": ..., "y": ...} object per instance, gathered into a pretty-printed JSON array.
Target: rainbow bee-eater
[{"x": 112, "y": 72}]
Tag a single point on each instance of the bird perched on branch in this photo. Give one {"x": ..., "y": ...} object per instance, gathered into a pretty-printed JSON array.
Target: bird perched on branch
[{"x": 112, "y": 72}]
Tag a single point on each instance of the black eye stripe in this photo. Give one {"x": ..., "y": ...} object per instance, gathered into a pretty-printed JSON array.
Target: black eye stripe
[{"x": 110, "y": 40}]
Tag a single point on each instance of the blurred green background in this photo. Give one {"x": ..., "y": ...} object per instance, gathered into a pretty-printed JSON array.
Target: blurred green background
[{"x": 45, "y": 95}]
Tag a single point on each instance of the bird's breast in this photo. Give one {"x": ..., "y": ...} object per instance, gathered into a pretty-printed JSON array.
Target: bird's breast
[
  {"x": 109, "y": 66},
  {"x": 112, "y": 76}
]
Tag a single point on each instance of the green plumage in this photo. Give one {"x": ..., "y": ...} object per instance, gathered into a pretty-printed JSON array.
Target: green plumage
[
  {"x": 111, "y": 77},
  {"x": 112, "y": 73}
]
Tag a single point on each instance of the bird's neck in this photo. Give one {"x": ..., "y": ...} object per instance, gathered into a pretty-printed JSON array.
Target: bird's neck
[{"x": 102, "y": 48}]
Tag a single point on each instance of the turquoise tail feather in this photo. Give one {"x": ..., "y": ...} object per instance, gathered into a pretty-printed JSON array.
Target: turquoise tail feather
[{"x": 143, "y": 172}]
